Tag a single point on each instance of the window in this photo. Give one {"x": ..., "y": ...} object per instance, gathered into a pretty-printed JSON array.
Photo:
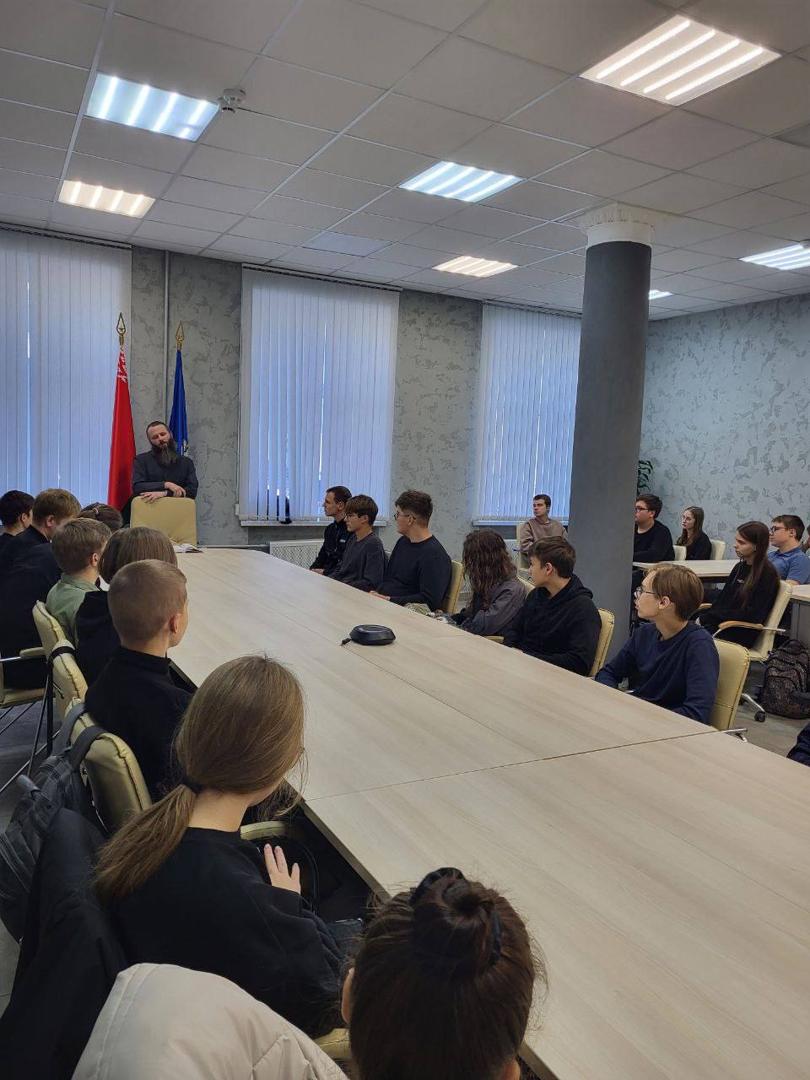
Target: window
[
  {"x": 317, "y": 394},
  {"x": 527, "y": 401},
  {"x": 59, "y": 304}
]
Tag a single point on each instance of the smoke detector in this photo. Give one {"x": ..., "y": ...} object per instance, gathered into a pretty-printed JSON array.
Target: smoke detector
[{"x": 230, "y": 99}]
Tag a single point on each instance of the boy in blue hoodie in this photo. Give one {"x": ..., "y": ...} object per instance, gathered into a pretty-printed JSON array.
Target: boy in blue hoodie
[{"x": 668, "y": 660}]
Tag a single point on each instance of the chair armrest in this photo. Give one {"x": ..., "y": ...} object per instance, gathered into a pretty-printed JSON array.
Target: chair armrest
[
  {"x": 264, "y": 830},
  {"x": 335, "y": 1044},
  {"x": 497, "y": 638},
  {"x": 703, "y": 607},
  {"x": 25, "y": 654},
  {"x": 748, "y": 626}
]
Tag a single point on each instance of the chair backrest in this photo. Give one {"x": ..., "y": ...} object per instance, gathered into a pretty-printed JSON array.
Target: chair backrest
[
  {"x": 718, "y": 549},
  {"x": 114, "y": 775},
  {"x": 734, "y": 663},
  {"x": 764, "y": 642},
  {"x": 603, "y": 644},
  {"x": 177, "y": 518},
  {"x": 680, "y": 552},
  {"x": 68, "y": 681},
  {"x": 49, "y": 629},
  {"x": 450, "y": 601},
  {"x": 527, "y": 584}
]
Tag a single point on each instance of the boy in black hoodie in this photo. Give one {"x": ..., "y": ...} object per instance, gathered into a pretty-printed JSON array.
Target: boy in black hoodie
[{"x": 559, "y": 622}]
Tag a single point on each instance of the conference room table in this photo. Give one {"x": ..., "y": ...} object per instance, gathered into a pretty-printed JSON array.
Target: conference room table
[
  {"x": 663, "y": 867},
  {"x": 706, "y": 569},
  {"x": 800, "y": 613}
]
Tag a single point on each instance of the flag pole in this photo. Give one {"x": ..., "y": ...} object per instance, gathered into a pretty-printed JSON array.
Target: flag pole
[
  {"x": 180, "y": 336},
  {"x": 121, "y": 327}
]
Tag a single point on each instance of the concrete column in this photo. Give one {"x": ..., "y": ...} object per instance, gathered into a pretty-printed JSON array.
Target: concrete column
[{"x": 610, "y": 396}]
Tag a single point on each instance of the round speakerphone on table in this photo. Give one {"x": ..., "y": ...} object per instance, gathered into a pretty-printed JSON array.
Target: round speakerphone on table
[{"x": 370, "y": 634}]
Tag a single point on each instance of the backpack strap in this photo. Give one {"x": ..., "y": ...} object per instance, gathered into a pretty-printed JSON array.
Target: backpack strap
[
  {"x": 78, "y": 752},
  {"x": 72, "y": 715},
  {"x": 60, "y": 650}
]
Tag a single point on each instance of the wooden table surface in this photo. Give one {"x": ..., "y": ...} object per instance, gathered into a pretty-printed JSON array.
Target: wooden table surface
[{"x": 704, "y": 568}]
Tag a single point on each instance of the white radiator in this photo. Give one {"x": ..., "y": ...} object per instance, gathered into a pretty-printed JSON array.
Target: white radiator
[{"x": 300, "y": 552}]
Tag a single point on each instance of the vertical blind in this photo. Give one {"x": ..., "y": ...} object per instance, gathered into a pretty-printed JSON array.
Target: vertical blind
[
  {"x": 59, "y": 303},
  {"x": 526, "y": 406},
  {"x": 318, "y": 361}
]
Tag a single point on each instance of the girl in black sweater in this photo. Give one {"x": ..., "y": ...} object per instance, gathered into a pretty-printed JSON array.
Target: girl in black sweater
[
  {"x": 185, "y": 889},
  {"x": 693, "y": 538},
  {"x": 750, "y": 590}
]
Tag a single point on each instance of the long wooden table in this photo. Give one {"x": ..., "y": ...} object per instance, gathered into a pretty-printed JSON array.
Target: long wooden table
[
  {"x": 706, "y": 569},
  {"x": 663, "y": 867}
]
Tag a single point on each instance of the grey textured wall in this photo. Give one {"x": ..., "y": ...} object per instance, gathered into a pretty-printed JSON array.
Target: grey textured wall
[
  {"x": 726, "y": 402},
  {"x": 147, "y": 365}
]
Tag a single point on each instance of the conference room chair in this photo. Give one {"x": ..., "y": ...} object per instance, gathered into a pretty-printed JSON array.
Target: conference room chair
[
  {"x": 450, "y": 601},
  {"x": 177, "y": 518},
  {"x": 734, "y": 664},
  {"x": 12, "y": 699},
  {"x": 680, "y": 552},
  {"x": 49, "y": 629},
  {"x": 603, "y": 644},
  {"x": 66, "y": 677},
  {"x": 718, "y": 549}
]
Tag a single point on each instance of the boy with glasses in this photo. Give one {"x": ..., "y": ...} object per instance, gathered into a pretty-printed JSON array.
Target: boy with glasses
[
  {"x": 787, "y": 557},
  {"x": 363, "y": 562},
  {"x": 652, "y": 541},
  {"x": 419, "y": 568}
]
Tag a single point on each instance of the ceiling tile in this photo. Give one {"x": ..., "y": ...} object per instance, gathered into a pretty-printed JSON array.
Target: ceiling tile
[
  {"x": 437, "y": 238},
  {"x": 52, "y": 29},
  {"x": 602, "y": 174},
  {"x": 305, "y": 97},
  {"x": 680, "y": 139},
  {"x": 415, "y": 125},
  {"x": 793, "y": 228},
  {"x": 542, "y": 200},
  {"x": 237, "y": 200},
  {"x": 91, "y": 222},
  {"x": 414, "y": 256},
  {"x": 686, "y": 231},
  {"x": 331, "y": 190},
  {"x": 277, "y": 231},
  {"x": 347, "y": 245},
  {"x": 557, "y": 237},
  {"x": 30, "y": 185},
  {"x": 782, "y": 25},
  {"x": 681, "y": 261},
  {"x": 115, "y": 174},
  {"x": 240, "y": 170},
  {"x": 35, "y": 125},
  {"x": 170, "y": 234},
  {"x": 119, "y": 143},
  {"x": 518, "y": 254},
  {"x": 443, "y": 14},
  {"x": 305, "y": 259},
  {"x": 487, "y": 221},
  {"x": 749, "y": 210},
  {"x": 170, "y": 245},
  {"x": 264, "y": 136},
  {"x": 356, "y": 42},
  {"x": 28, "y": 157},
  {"x": 194, "y": 217},
  {"x": 250, "y": 29},
  {"x": 438, "y": 278},
  {"x": 781, "y": 281},
  {"x": 20, "y": 209},
  {"x": 378, "y": 228},
  {"x": 520, "y": 153},
  {"x": 569, "y": 34},
  {"x": 41, "y": 82},
  {"x": 737, "y": 245},
  {"x": 679, "y": 193},
  {"x": 248, "y": 249},
  {"x": 413, "y": 206},
  {"x": 772, "y": 99},
  {"x": 765, "y": 162},
  {"x": 380, "y": 269},
  {"x": 151, "y": 54},
  {"x": 368, "y": 161},
  {"x": 298, "y": 212},
  {"x": 730, "y": 271},
  {"x": 729, "y": 292},
  {"x": 465, "y": 75},
  {"x": 798, "y": 190},
  {"x": 583, "y": 112},
  {"x": 567, "y": 263}
]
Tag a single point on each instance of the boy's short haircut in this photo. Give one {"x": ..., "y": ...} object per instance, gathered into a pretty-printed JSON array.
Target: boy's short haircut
[
  {"x": 75, "y": 542},
  {"x": 13, "y": 505},
  {"x": 546, "y": 499},
  {"x": 557, "y": 551},
  {"x": 652, "y": 502},
  {"x": 418, "y": 503},
  {"x": 341, "y": 493},
  {"x": 363, "y": 506},
  {"x": 682, "y": 585},
  {"x": 55, "y": 502},
  {"x": 143, "y": 597},
  {"x": 98, "y": 511},
  {"x": 791, "y": 521}
]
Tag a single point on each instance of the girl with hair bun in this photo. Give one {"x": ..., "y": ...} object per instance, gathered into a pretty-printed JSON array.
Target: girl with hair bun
[{"x": 442, "y": 984}]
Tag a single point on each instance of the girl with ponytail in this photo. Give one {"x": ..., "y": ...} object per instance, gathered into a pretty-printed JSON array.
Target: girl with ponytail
[
  {"x": 441, "y": 987},
  {"x": 183, "y": 887}
]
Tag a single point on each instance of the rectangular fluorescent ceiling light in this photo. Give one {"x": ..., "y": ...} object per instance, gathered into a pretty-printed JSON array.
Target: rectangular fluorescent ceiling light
[
  {"x": 462, "y": 182},
  {"x": 679, "y": 61},
  {"x": 468, "y": 264},
  {"x": 96, "y": 197},
  {"x": 786, "y": 258},
  {"x": 656, "y": 294},
  {"x": 137, "y": 105}
]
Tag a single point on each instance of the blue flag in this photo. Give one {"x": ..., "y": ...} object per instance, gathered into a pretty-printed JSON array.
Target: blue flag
[{"x": 178, "y": 421}]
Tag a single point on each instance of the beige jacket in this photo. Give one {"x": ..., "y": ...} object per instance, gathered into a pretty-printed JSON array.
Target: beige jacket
[
  {"x": 533, "y": 530},
  {"x": 167, "y": 1023}
]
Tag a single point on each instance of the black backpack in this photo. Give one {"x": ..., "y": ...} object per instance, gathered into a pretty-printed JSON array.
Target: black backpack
[
  {"x": 57, "y": 784},
  {"x": 787, "y": 672}
]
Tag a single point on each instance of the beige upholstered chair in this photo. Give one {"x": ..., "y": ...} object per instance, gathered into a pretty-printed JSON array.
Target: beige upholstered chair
[
  {"x": 718, "y": 549},
  {"x": 450, "y": 601},
  {"x": 68, "y": 681},
  {"x": 177, "y": 518},
  {"x": 50, "y": 630},
  {"x": 734, "y": 663},
  {"x": 603, "y": 644},
  {"x": 680, "y": 552},
  {"x": 527, "y": 584},
  {"x": 114, "y": 776}
]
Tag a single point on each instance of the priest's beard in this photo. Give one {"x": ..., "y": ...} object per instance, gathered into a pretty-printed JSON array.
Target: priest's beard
[{"x": 167, "y": 455}]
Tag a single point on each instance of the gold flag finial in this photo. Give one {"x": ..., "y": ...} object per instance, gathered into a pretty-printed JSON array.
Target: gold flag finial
[
  {"x": 180, "y": 336},
  {"x": 121, "y": 327}
]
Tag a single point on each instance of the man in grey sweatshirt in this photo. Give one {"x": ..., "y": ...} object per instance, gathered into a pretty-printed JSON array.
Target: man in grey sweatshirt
[{"x": 363, "y": 562}]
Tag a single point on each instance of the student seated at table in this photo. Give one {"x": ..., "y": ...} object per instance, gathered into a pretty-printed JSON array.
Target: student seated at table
[
  {"x": 363, "y": 562},
  {"x": 693, "y": 538},
  {"x": 539, "y": 527},
  {"x": 801, "y": 751},
  {"x": 15, "y": 517},
  {"x": 135, "y": 696},
  {"x": 97, "y": 511},
  {"x": 31, "y": 571},
  {"x": 652, "y": 540},
  {"x": 669, "y": 660},
  {"x": 789, "y": 561},
  {"x": 750, "y": 589},
  {"x": 96, "y": 637},
  {"x": 184, "y": 888},
  {"x": 497, "y": 594},
  {"x": 442, "y": 985},
  {"x": 558, "y": 622},
  {"x": 336, "y": 535},
  {"x": 77, "y": 547},
  {"x": 419, "y": 569}
]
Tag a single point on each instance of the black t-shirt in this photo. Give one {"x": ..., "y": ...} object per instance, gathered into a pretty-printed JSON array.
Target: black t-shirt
[
  {"x": 210, "y": 907},
  {"x": 417, "y": 573},
  {"x": 654, "y": 545}
]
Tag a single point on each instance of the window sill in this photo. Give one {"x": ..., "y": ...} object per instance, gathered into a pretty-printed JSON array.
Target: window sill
[{"x": 308, "y": 523}]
